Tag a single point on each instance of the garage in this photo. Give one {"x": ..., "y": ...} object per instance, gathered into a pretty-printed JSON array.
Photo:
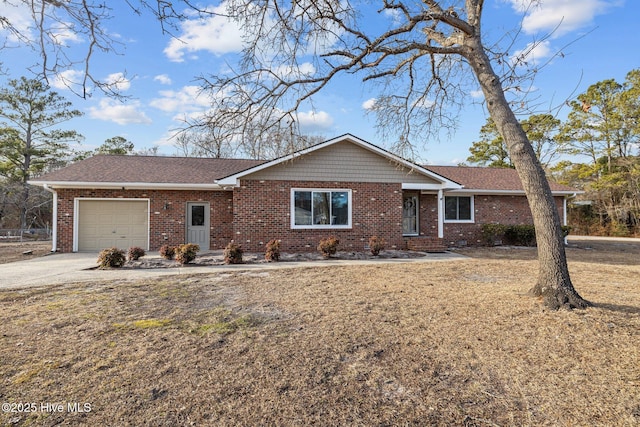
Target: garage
[{"x": 112, "y": 223}]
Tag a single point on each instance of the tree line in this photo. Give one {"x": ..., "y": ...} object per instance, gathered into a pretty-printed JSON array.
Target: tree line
[
  {"x": 596, "y": 149},
  {"x": 33, "y": 141}
]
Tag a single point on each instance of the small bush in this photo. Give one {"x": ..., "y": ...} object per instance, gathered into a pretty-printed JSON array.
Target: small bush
[
  {"x": 167, "y": 252},
  {"x": 328, "y": 246},
  {"x": 493, "y": 234},
  {"x": 135, "y": 253},
  {"x": 376, "y": 244},
  {"x": 233, "y": 254},
  {"x": 111, "y": 258},
  {"x": 521, "y": 235},
  {"x": 273, "y": 250},
  {"x": 186, "y": 253}
]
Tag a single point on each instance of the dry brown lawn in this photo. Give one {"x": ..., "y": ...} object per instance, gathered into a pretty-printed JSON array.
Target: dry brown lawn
[
  {"x": 455, "y": 343},
  {"x": 18, "y": 251}
]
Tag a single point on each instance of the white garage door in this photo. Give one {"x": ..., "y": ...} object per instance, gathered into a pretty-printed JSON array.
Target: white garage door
[{"x": 112, "y": 223}]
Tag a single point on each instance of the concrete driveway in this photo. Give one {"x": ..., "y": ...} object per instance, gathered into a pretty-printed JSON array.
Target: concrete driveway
[{"x": 56, "y": 269}]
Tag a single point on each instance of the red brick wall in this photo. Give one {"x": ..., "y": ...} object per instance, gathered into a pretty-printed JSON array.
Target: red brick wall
[
  {"x": 508, "y": 210},
  {"x": 167, "y": 226},
  {"x": 262, "y": 212},
  {"x": 259, "y": 211}
]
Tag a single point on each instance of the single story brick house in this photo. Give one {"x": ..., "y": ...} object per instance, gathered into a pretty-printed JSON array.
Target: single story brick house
[{"x": 344, "y": 187}]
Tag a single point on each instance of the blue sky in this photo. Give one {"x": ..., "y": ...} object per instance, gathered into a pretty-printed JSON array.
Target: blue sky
[{"x": 598, "y": 38}]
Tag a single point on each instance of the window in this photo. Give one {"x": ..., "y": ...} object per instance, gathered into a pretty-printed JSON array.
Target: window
[
  {"x": 197, "y": 215},
  {"x": 410, "y": 215},
  {"x": 458, "y": 208},
  {"x": 321, "y": 208}
]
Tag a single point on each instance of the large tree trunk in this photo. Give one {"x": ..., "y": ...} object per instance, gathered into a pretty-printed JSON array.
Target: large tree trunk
[{"x": 554, "y": 283}]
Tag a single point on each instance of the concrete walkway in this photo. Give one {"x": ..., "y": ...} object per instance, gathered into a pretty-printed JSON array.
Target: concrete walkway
[{"x": 56, "y": 269}]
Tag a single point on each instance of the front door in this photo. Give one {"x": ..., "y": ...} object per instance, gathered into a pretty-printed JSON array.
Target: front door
[
  {"x": 410, "y": 215},
  {"x": 198, "y": 224}
]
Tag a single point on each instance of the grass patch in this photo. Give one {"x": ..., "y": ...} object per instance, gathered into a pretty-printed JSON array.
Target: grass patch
[
  {"x": 456, "y": 343},
  {"x": 221, "y": 321}
]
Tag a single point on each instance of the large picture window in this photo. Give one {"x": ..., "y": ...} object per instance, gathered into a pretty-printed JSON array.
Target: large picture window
[
  {"x": 321, "y": 208},
  {"x": 459, "y": 208}
]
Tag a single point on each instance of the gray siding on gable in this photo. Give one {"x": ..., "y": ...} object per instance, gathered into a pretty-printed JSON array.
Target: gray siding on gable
[{"x": 343, "y": 161}]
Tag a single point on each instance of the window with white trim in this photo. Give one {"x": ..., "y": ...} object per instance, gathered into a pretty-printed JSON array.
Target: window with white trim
[
  {"x": 458, "y": 208},
  {"x": 320, "y": 208}
]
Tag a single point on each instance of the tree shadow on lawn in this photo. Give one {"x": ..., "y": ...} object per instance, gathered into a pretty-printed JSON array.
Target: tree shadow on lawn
[
  {"x": 603, "y": 254},
  {"x": 617, "y": 308}
]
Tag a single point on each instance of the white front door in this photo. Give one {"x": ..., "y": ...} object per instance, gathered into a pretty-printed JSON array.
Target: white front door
[{"x": 198, "y": 224}]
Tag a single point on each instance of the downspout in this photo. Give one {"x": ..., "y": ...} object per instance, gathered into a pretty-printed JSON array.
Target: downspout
[
  {"x": 54, "y": 215},
  {"x": 565, "y": 222},
  {"x": 440, "y": 214}
]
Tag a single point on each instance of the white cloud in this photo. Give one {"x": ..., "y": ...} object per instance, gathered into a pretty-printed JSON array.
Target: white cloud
[
  {"x": 163, "y": 79},
  {"x": 303, "y": 70},
  {"x": 533, "y": 54},
  {"x": 369, "y": 104},
  {"x": 19, "y": 18},
  {"x": 567, "y": 15},
  {"x": 117, "y": 112},
  {"x": 62, "y": 33},
  {"x": 187, "y": 99},
  {"x": 67, "y": 79},
  {"x": 394, "y": 14},
  {"x": 314, "y": 120},
  {"x": 477, "y": 94},
  {"x": 118, "y": 81},
  {"x": 215, "y": 34}
]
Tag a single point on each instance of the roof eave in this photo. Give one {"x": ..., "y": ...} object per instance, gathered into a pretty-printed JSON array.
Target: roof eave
[
  {"x": 511, "y": 192},
  {"x": 125, "y": 185},
  {"x": 430, "y": 187}
]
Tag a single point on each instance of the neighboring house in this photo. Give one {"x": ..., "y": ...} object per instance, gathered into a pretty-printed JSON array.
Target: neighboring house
[{"x": 345, "y": 187}]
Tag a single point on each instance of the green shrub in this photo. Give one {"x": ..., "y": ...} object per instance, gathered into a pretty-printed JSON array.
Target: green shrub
[
  {"x": 328, "y": 246},
  {"x": 167, "y": 252},
  {"x": 233, "y": 254},
  {"x": 186, "y": 253},
  {"x": 273, "y": 250},
  {"x": 135, "y": 253},
  {"x": 111, "y": 258},
  {"x": 376, "y": 244},
  {"x": 493, "y": 234},
  {"x": 521, "y": 235}
]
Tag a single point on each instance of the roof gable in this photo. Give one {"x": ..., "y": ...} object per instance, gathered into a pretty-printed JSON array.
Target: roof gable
[{"x": 345, "y": 158}]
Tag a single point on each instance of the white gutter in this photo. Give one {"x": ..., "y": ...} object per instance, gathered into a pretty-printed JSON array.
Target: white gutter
[
  {"x": 485, "y": 192},
  {"x": 126, "y": 185},
  {"x": 54, "y": 219},
  {"x": 427, "y": 187}
]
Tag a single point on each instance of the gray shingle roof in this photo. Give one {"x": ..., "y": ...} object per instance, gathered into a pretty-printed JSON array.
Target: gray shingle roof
[
  {"x": 148, "y": 169},
  {"x": 191, "y": 170},
  {"x": 496, "y": 179}
]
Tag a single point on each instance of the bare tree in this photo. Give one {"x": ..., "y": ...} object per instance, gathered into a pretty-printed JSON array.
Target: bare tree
[
  {"x": 210, "y": 137},
  {"x": 419, "y": 57},
  {"x": 295, "y": 49},
  {"x": 51, "y": 24}
]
